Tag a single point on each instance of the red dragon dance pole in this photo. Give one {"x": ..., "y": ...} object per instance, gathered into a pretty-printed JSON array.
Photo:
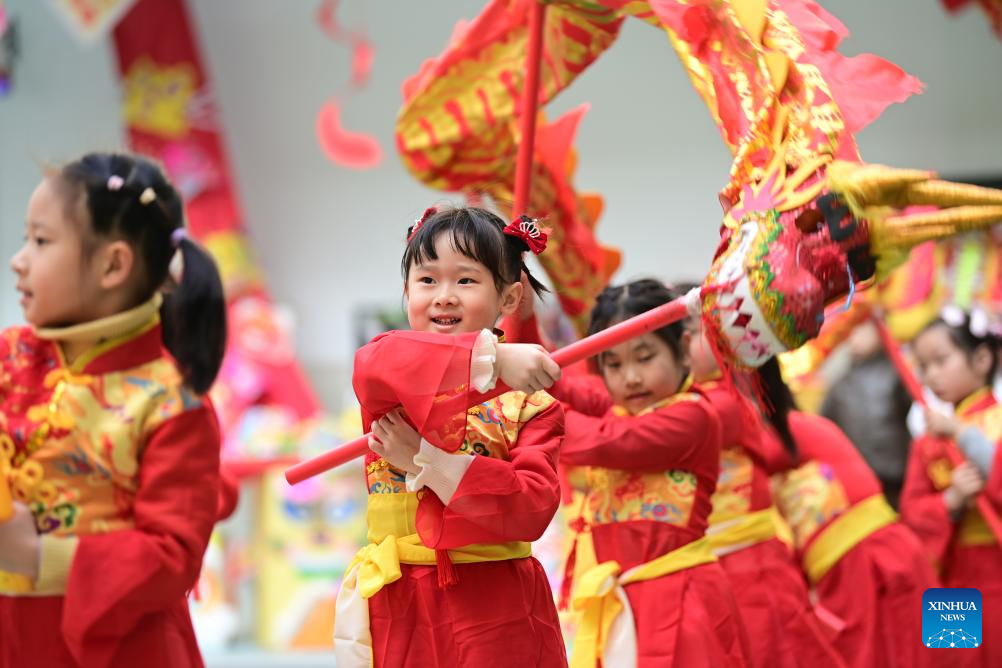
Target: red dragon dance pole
[
  {"x": 530, "y": 104},
  {"x": 580, "y": 350}
]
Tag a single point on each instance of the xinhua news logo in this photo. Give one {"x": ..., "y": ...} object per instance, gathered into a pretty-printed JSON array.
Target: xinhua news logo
[{"x": 951, "y": 618}]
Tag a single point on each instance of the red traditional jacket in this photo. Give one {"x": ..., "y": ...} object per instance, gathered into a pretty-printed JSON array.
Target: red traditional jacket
[{"x": 119, "y": 463}]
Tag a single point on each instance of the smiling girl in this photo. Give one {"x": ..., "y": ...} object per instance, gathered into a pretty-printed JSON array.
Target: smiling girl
[{"x": 456, "y": 496}]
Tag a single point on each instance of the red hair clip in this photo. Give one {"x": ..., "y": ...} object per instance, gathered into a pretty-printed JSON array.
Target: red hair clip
[
  {"x": 428, "y": 213},
  {"x": 528, "y": 230}
]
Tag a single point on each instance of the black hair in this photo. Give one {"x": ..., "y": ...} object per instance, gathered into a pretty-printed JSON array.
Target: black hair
[
  {"x": 621, "y": 302},
  {"x": 128, "y": 197},
  {"x": 479, "y": 235},
  {"x": 779, "y": 403},
  {"x": 967, "y": 341},
  {"x": 684, "y": 288}
]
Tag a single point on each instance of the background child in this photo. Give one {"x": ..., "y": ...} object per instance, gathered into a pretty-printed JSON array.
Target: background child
[
  {"x": 958, "y": 364},
  {"x": 768, "y": 586},
  {"x": 652, "y": 446},
  {"x": 866, "y": 569},
  {"x": 112, "y": 447}
]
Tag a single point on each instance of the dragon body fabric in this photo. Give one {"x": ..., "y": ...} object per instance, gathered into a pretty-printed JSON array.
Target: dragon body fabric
[{"x": 805, "y": 220}]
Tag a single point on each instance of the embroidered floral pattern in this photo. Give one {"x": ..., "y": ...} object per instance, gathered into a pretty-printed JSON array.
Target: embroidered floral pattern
[
  {"x": 809, "y": 497},
  {"x": 734, "y": 486},
  {"x": 622, "y": 496},
  {"x": 73, "y": 441},
  {"x": 491, "y": 430}
]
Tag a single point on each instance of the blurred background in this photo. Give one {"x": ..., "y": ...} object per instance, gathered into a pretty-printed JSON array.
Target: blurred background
[{"x": 315, "y": 243}]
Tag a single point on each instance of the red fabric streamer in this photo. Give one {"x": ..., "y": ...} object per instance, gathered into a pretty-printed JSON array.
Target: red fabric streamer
[{"x": 343, "y": 147}]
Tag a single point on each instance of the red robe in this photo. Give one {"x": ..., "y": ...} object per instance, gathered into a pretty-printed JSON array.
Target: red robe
[
  {"x": 498, "y": 613},
  {"x": 872, "y": 596},
  {"x": 650, "y": 478},
  {"x": 767, "y": 584},
  {"x": 114, "y": 455},
  {"x": 966, "y": 552}
]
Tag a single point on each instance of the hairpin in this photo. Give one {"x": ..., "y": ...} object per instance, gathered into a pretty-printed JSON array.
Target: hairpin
[
  {"x": 428, "y": 213},
  {"x": 528, "y": 230},
  {"x": 177, "y": 236}
]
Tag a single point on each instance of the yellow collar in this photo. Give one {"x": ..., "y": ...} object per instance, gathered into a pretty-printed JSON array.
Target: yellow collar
[
  {"x": 713, "y": 377},
  {"x": 113, "y": 326},
  {"x": 972, "y": 399},
  {"x": 106, "y": 333}
]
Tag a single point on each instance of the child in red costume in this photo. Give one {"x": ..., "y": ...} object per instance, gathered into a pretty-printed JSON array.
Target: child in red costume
[
  {"x": 958, "y": 362},
  {"x": 767, "y": 584},
  {"x": 652, "y": 444},
  {"x": 109, "y": 445},
  {"x": 456, "y": 496},
  {"x": 866, "y": 569}
]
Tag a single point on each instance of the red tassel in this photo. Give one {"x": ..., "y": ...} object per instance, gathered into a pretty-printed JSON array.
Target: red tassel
[{"x": 447, "y": 576}]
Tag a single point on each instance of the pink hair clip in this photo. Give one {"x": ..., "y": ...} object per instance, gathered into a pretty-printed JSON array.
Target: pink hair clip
[
  {"x": 115, "y": 183},
  {"x": 428, "y": 213}
]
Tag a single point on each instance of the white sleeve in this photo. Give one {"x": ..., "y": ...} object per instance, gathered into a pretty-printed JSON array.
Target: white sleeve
[
  {"x": 483, "y": 367},
  {"x": 978, "y": 448},
  {"x": 441, "y": 472}
]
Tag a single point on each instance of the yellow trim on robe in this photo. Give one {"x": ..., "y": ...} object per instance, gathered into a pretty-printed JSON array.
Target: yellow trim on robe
[
  {"x": 974, "y": 530},
  {"x": 844, "y": 533},
  {"x": 745, "y": 531},
  {"x": 596, "y": 600}
]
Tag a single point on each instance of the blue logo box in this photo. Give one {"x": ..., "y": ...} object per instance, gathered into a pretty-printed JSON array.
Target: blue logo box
[{"x": 951, "y": 618}]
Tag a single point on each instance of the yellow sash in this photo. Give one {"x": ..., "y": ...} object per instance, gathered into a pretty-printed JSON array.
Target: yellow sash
[
  {"x": 744, "y": 531},
  {"x": 394, "y": 541},
  {"x": 596, "y": 600},
  {"x": 13, "y": 583},
  {"x": 974, "y": 530},
  {"x": 844, "y": 533}
]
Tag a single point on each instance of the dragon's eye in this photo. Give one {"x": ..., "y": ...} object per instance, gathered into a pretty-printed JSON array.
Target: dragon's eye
[{"x": 809, "y": 220}]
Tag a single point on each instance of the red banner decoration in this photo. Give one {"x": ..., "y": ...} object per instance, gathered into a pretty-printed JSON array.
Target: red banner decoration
[
  {"x": 460, "y": 127},
  {"x": 170, "y": 112}
]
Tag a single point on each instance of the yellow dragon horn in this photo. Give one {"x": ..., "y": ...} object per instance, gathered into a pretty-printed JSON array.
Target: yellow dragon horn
[
  {"x": 946, "y": 193},
  {"x": 863, "y": 186},
  {"x": 906, "y": 231}
]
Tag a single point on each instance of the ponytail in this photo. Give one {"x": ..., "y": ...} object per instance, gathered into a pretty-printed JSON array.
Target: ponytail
[
  {"x": 781, "y": 402},
  {"x": 128, "y": 196},
  {"x": 194, "y": 318}
]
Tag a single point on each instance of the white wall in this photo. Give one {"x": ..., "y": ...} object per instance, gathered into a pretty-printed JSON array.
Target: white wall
[{"x": 330, "y": 238}]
